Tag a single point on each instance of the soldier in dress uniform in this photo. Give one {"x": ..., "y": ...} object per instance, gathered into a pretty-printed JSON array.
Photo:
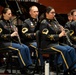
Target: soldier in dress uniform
[
  {"x": 67, "y": 25},
  {"x": 29, "y": 26},
  {"x": 73, "y": 27},
  {"x": 8, "y": 35},
  {"x": 51, "y": 32}
]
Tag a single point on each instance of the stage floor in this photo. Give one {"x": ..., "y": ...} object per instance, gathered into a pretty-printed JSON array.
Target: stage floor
[{"x": 18, "y": 72}]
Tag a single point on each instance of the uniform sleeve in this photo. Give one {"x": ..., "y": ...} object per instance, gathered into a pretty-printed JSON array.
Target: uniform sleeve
[
  {"x": 26, "y": 31},
  {"x": 3, "y": 35},
  {"x": 46, "y": 34},
  {"x": 73, "y": 32},
  {"x": 67, "y": 25}
]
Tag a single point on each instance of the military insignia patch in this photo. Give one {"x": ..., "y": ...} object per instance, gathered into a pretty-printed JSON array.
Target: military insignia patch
[
  {"x": 51, "y": 37},
  {"x": 45, "y": 31},
  {"x": 31, "y": 24},
  {"x": 24, "y": 30},
  {"x": 0, "y": 30}
]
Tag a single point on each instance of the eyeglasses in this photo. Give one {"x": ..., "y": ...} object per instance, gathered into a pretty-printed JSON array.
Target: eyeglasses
[
  {"x": 52, "y": 12},
  {"x": 74, "y": 15}
]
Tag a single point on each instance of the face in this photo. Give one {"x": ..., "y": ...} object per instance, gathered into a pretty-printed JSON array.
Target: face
[
  {"x": 74, "y": 16},
  {"x": 70, "y": 17},
  {"x": 51, "y": 14},
  {"x": 7, "y": 15},
  {"x": 34, "y": 12}
]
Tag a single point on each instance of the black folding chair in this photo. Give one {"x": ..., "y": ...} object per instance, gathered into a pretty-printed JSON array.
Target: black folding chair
[
  {"x": 9, "y": 59},
  {"x": 45, "y": 51}
]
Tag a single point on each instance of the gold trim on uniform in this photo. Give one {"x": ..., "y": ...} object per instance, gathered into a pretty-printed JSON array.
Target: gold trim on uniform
[
  {"x": 4, "y": 36},
  {"x": 74, "y": 38},
  {"x": 45, "y": 31},
  {"x": 0, "y": 30},
  {"x": 24, "y": 30},
  {"x": 71, "y": 32},
  {"x": 36, "y": 50},
  {"x": 12, "y": 48},
  {"x": 29, "y": 35},
  {"x": 64, "y": 59},
  {"x": 51, "y": 37},
  {"x": 18, "y": 54}
]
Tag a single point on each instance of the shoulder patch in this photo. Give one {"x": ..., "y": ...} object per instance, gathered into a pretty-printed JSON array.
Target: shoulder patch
[
  {"x": 45, "y": 31},
  {"x": 24, "y": 30},
  {"x": 0, "y": 30},
  {"x": 43, "y": 21}
]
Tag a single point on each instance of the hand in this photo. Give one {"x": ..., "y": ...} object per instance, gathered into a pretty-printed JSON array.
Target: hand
[
  {"x": 62, "y": 34},
  {"x": 15, "y": 29},
  {"x": 14, "y": 34},
  {"x": 34, "y": 34}
]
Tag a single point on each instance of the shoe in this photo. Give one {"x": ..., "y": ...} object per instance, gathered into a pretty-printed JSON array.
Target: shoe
[
  {"x": 22, "y": 70},
  {"x": 70, "y": 72},
  {"x": 73, "y": 71},
  {"x": 66, "y": 73},
  {"x": 39, "y": 69},
  {"x": 31, "y": 67},
  {"x": 27, "y": 70},
  {"x": 60, "y": 68}
]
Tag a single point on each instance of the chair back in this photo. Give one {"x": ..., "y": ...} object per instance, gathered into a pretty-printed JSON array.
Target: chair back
[{"x": 38, "y": 38}]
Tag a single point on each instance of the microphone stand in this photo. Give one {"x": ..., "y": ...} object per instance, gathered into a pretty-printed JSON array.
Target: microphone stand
[
  {"x": 6, "y": 4},
  {"x": 19, "y": 10}
]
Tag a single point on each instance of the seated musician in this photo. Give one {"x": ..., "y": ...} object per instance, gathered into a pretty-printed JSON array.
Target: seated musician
[
  {"x": 73, "y": 27},
  {"x": 29, "y": 28},
  {"x": 67, "y": 25},
  {"x": 8, "y": 32},
  {"x": 51, "y": 32}
]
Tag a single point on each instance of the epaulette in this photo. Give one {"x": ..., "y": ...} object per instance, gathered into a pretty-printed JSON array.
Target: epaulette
[
  {"x": 43, "y": 21},
  {"x": 68, "y": 22},
  {"x": 1, "y": 21},
  {"x": 27, "y": 20},
  {"x": 73, "y": 23}
]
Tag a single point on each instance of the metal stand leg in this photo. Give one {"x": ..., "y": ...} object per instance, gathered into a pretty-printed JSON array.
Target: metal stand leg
[{"x": 47, "y": 71}]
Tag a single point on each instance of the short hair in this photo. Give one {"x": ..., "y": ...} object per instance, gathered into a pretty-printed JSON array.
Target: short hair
[
  {"x": 69, "y": 14},
  {"x": 72, "y": 11},
  {"x": 48, "y": 9},
  {"x": 32, "y": 6}
]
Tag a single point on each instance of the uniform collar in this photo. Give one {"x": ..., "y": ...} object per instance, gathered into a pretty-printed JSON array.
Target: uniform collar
[
  {"x": 7, "y": 21},
  {"x": 49, "y": 20},
  {"x": 33, "y": 19}
]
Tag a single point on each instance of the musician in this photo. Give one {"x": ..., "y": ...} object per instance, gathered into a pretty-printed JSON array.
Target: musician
[
  {"x": 29, "y": 28},
  {"x": 7, "y": 34},
  {"x": 73, "y": 26},
  {"x": 67, "y": 25},
  {"x": 51, "y": 32}
]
